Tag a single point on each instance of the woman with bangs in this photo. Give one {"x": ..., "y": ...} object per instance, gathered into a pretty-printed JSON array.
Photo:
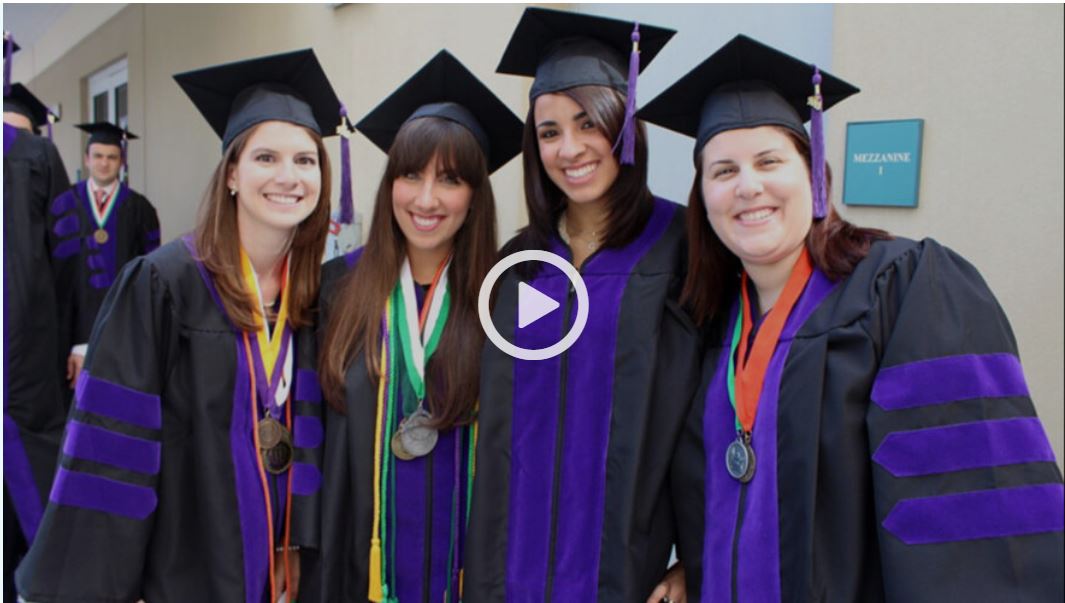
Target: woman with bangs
[
  {"x": 571, "y": 501},
  {"x": 863, "y": 431},
  {"x": 190, "y": 469},
  {"x": 400, "y": 352}
]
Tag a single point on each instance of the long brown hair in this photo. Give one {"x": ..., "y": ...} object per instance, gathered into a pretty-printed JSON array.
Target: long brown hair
[
  {"x": 629, "y": 201},
  {"x": 453, "y": 372},
  {"x": 835, "y": 245},
  {"x": 218, "y": 243}
]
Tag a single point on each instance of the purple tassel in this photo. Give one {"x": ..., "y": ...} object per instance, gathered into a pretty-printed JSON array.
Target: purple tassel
[
  {"x": 817, "y": 149},
  {"x": 9, "y": 49},
  {"x": 347, "y": 202},
  {"x": 628, "y": 131}
]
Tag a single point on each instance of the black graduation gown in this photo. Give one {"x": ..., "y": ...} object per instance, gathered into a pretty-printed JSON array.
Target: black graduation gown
[
  {"x": 159, "y": 494},
  {"x": 423, "y": 490},
  {"x": 33, "y": 406},
  {"x": 86, "y": 268},
  {"x": 898, "y": 453},
  {"x": 571, "y": 500}
]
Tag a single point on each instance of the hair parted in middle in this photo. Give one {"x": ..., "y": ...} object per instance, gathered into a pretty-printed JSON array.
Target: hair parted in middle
[{"x": 356, "y": 307}]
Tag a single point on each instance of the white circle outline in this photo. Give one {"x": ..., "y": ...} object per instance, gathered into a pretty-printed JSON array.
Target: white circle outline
[{"x": 486, "y": 291}]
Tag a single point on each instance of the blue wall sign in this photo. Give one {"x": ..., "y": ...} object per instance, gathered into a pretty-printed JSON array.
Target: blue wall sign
[{"x": 883, "y": 164}]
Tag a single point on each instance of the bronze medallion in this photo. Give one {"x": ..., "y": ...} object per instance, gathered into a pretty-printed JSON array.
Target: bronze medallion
[{"x": 100, "y": 236}]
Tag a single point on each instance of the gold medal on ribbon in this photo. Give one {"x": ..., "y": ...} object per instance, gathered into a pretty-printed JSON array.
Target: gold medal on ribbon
[{"x": 100, "y": 236}]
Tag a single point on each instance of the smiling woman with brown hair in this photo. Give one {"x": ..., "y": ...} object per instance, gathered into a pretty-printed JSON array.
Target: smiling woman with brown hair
[
  {"x": 571, "y": 497},
  {"x": 401, "y": 350},
  {"x": 190, "y": 466},
  {"x": 863, "y": 431}
]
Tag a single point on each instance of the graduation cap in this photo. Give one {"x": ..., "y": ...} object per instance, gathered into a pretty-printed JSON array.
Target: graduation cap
[
  {"x": 103, "y": 132},
  {"x": 289, "y": 87},
  {"x": 445, "y": 88},
  {"x": 562, "y": 50},
  {"x": 20, "y": 100},
  {"x": 747, "y": 84}
]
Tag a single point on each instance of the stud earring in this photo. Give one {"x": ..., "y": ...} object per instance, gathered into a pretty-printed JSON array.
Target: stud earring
[{"x": 232, "y": 192}]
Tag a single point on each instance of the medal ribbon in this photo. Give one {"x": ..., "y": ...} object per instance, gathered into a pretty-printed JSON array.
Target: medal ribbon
[
  {"x": 109, "y": 205},
  {"x": 746, "y": 380},
  {"x": 268, "y": 348},
  {"x": 419, "y": 336}
]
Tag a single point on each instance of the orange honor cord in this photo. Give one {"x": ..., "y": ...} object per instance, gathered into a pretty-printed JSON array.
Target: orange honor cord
[
  {"x": 750, "y": 372},
  {"x": 262, "y": 475},
  {"x": 429, "y": 293}
]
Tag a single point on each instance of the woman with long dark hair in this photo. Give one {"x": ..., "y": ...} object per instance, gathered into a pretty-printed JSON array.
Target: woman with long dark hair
[
  {"x": 400, "y": 355},
  {"x": 571, "y": 500},
  {"x": 863, "y": 431},
  {"x": 190, "y": 465}
]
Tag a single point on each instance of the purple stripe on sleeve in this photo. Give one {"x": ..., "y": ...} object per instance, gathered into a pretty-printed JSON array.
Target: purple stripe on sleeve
[
  {"x": 964, "y": 446},
  {"x": 308, "y": 432},
  {"x": 96, "y": 261},
  {"x": 100, "y": 445},
  {"x": 66, "y": 226},
  {"x": 63, "y": 203},
  {"x": 67, "y": 248},
  {"x": 306, "y": 479},
  {"x": 87, "y": 491},
  {"x": 117, "y": 402},
  {"x": 981, "y": 514},
  {"x": 307, "y": 387},
  {"x": 18, "y": 477},
  {"x": 949, "y": 379}
]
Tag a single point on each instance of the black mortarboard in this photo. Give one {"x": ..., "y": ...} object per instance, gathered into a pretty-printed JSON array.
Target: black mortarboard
[
  {"x": 20, "y": 100},
  {"x": 445, "y": 88},
  {"x": 744, "y": 84},
  {"x": 103, "y": 132},
  {"x": 747, "y": 84},
  {"x": 289, "y": 87},
  {"x": 563, "y": 49}
]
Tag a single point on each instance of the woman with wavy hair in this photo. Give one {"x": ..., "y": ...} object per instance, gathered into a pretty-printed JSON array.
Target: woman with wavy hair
[
  {"x": 863, "y": 431},
  {"x": 190, "y": 465},
  {"x": 400, "y": 353},
  {"x": 571, "y": 501}
]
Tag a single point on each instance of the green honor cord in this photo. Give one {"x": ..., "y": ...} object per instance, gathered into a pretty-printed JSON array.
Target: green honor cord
[{"x": 737, "y": 333}]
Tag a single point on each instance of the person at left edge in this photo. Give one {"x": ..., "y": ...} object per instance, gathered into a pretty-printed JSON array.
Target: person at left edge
[
  {"x": 190, "y": 465},
  {"x": 33, "y": 404},
  {"x": 395, "y": 518},
  {"x": 96, "y": 227}
]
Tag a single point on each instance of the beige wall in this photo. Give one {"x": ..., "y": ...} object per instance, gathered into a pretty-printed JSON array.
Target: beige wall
[{"x": 988, "y": 81}]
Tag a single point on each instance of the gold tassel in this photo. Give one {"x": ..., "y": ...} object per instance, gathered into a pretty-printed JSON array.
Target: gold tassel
[{"x": 376, "y": 593}]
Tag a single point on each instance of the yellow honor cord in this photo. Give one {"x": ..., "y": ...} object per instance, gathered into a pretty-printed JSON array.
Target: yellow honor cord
[
  {"x": 376, "y": 593},
  {"x": 269, "y": 342}
]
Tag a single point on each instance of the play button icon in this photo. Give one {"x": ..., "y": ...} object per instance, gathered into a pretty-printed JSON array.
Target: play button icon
[{"x": 533, "y": 305}]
